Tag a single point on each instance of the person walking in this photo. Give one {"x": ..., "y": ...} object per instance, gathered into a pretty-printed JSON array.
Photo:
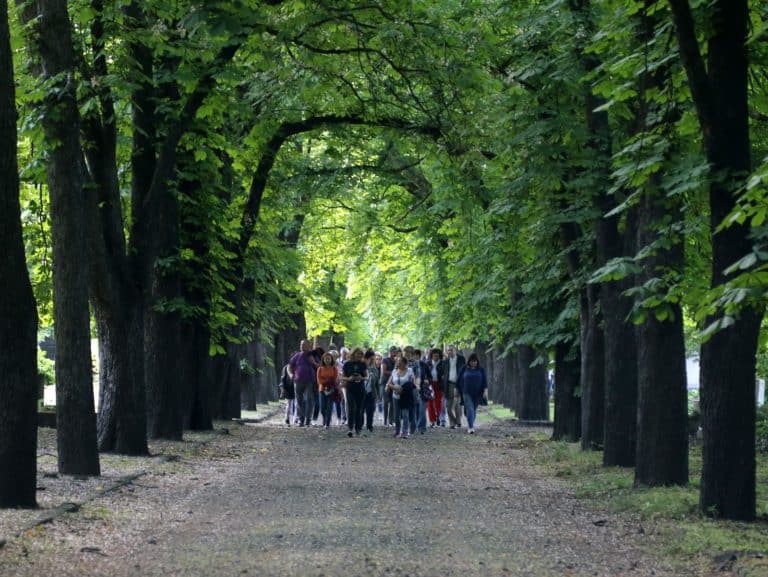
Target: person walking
[
  {"x": 371, "y": 389},
  {"x": 328, "y": 383},
  {"x": 433, "y": 389},
  {"x": 473, "y": 385},
  {"x": 387, "y": 366},
  {"x": 303, "y": 367},
  {"x": 453, "y": 364},
  {"x": 401, "y": 379},
  {"x": 288, "y": 392},
  {"x": 354, "y": 375}
]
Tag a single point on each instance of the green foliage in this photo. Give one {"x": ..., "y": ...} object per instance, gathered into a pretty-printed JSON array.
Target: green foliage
[
  {"x": 45, "y": 369},
  {"x": 761, "y": 429}
]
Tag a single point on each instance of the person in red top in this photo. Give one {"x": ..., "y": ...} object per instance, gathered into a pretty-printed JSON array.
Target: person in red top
[{"x": 328, "y": 383}]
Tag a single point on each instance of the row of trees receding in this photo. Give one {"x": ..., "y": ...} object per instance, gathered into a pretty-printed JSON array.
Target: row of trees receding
[{"x": 219, "y": 179}]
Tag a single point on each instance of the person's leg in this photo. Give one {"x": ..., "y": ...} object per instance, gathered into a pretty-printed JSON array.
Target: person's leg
[
  {"x": 396, "y": 415},
  {"x": 405, "y": 417},
  {"x": 412, "y": 418},
  {"x": 309, "y": 394},
  {"x": 469, "y": 406},
  {"x": 316, "y": 412},
  {"x": 440, "y": 406},
  {"x": 370, "y": 410},
  {"x": 300, "y": 406}
]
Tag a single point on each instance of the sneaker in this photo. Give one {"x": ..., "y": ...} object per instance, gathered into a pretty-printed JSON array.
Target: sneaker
[
  {"x": 370, "y": 429},
  {"x": 301, "y": 424},
  {"x": 357, "y": 433},
  {"x": 349, "y": 434},
  {"x": 471, "y": 431},
  {"x": 397, "y": 435},
  {"x": 431, "y": 425},
  {"x": 406, "y": 436},
  {"x": 327, "y": 427}
]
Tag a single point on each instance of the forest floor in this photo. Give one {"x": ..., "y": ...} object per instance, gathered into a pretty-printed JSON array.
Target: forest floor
[{"x": 267, "y": 499}]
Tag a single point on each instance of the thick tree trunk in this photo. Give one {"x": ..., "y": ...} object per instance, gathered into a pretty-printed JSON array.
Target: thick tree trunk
[
  {"x": 18, "y": 312},
  {"x": 162, "y": 345},
  {"x": 122, "y": 423},
  {"x": 75, "y": 412},
  {"x": 662, "y": 436},
  {"x": 567, "y": 425},
  {"x": 197, "y": 366},
  {"x": 728, "y": 359},
  {"x": 534, "y": 405},
  {"x": 620, "y": 376}
]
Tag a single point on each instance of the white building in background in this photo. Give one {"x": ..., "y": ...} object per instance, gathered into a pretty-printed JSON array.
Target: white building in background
[{"x": 692, "y": 376}]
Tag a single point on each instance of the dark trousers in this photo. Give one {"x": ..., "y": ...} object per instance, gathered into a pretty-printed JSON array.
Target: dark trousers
[
  {"x": 370, "y": 408},
  {"x": 355, "y": 406}
]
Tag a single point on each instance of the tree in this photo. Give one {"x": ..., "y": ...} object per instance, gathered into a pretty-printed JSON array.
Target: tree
[
  {"x": 18, "y": 315},
  {"x": 720, "y": 93},
  {"x": 75, "y": 411}
]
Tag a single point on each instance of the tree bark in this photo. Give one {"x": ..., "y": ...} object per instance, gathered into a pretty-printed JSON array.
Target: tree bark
[
  {"x": 567, "y": 425},
  {"x": 121, "y": 422},
  {"x": 534, "y": 405},
  {"x": 728, "y": 358},
  {"x": 592, "y": 372},
  {"x": 75, "y": 412},
  {"x": 18, "y": 311},
  {"x": 662, "y": 437}
]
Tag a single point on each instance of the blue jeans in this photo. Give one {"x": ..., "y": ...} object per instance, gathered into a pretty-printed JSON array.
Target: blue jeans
[
  {"x": 421, "y": 415},
  {"x": 408, "y": 416},
  {"x": 471, "y": 410},
  {"x": 326, "y": 406}
]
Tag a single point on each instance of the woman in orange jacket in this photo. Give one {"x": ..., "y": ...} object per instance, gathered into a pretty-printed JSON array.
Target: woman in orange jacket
[{"x": 328, "y": 383}]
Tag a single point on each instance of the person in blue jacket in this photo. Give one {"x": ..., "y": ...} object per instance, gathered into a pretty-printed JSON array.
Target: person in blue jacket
[{"x": 473, "y": 385}]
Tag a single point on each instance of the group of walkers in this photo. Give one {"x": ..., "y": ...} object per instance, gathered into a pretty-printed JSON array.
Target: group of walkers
[{"x": 411, "y": 391}]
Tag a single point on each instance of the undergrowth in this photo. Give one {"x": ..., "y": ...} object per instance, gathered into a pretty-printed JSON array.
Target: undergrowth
[{"x": 672, "y": 511}]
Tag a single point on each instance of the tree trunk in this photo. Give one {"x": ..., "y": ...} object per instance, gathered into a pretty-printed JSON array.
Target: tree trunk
[
  {"x": 197, "y": 367},
  {"x": 728, "y": 359},
  {"x": 662, "y": 436},
  {"x": 534, "y": 405},
  {"x": 18, "y": 311},
  {"x": 567, "y": 404},
  {"x": 621, "y": 371},
  {"x": 122, "y": 423},
  {"x": 592, "y": 373},
  {"x": 75, "y": 412}
]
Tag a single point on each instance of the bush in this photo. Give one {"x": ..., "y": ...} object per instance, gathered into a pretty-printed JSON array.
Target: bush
[{"x": 761, "y": 429}]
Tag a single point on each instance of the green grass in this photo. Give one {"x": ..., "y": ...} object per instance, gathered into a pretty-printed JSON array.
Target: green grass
[{"x": 672, "y": 511}]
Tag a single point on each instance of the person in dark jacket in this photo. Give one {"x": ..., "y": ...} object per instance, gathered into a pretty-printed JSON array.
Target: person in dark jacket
[
  {"x": 288, "y": 392},
  {"x": 473, "y": 385}
]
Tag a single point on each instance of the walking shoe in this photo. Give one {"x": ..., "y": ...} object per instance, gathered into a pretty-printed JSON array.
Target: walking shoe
[
  {"x": 471, "y": 431},
  {"x": 397, "y": 435},
  {"x": 349, "y": 434},
  {"x": 406, "y": 436}
]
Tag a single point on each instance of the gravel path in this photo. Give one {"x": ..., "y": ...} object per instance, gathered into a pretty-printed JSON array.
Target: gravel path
[{"x": 271, "y": 500}]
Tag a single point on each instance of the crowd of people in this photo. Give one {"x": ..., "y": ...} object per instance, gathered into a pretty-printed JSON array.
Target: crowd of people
[{"x": 410, "y": 391}]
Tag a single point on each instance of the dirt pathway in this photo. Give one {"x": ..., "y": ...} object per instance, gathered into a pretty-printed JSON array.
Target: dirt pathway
[{"x": 272, "y": 500}]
